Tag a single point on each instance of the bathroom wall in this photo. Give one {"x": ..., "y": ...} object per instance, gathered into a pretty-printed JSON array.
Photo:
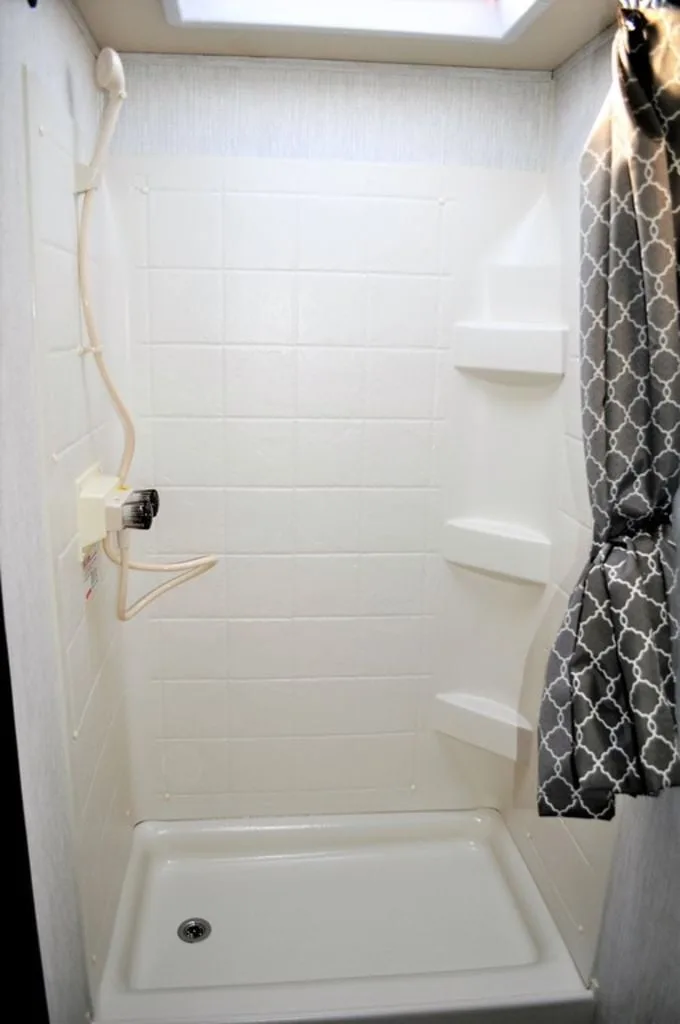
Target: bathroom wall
[
  {"x": 305, "y": 238},
  {"x": 569, "y": 859},
  {"x": 63, "y": 636}
]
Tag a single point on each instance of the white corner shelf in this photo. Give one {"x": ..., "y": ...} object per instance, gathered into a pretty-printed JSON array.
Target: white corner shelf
[
  {"x": 481, "y": 722},
  {"x": 534, "y": 350},
  {"x": 498, "y": 547}
]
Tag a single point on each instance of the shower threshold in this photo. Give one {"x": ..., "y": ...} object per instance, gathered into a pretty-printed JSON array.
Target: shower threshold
[{"x": 336, "y": 918}]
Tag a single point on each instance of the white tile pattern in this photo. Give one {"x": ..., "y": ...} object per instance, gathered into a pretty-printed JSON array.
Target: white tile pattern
[
  {"x": 570, "y": 860},
  {"x": 306, "y": 461},
  {"x": 331, "y": 414},
  {"x": 77, "y": 431}
]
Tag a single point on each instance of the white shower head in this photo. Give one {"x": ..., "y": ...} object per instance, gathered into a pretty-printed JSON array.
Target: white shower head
[
  {"x": 111, "y": 78},
  {"x": 109, "y": 72}
]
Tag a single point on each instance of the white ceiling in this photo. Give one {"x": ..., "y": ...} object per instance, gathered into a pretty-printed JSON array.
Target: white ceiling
[{"x": 557, "y": 33}]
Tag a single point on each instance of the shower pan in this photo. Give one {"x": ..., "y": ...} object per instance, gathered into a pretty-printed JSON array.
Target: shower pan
[{"x": 336, "y": 918}]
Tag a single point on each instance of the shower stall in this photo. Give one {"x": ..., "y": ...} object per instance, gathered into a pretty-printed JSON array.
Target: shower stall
[{"x": 334, "y": 306}]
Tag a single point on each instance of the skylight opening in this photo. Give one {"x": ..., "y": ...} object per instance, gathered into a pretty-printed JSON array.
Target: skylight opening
[{"x": 491, "y": 20}]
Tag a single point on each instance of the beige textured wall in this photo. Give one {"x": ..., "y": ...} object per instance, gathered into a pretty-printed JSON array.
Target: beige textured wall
[{"x": 637, "y": 964}]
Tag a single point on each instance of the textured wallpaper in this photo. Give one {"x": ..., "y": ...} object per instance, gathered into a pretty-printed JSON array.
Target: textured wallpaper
[
  {"x": 581, "y": 86},
  {"x": 214, "y": 106}
]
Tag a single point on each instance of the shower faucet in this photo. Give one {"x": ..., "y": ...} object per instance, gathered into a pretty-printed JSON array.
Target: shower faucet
[
  {"x": 140, "y": 510},
  {"x": 104, "y": 506}
]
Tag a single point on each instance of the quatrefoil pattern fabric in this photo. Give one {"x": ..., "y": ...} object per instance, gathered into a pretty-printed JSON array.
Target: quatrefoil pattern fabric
[{"x": 608, "y": 718}]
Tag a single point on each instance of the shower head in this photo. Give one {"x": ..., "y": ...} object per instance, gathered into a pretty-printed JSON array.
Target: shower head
[
  {"x": 109, "y": 73},
  {"x": 110, "y": 77}
]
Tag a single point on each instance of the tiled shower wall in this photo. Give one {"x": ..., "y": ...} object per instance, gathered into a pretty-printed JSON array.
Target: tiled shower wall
[
  {"x": 569, "y": 859},
  {"x": 64, "y": 651},
  {"x": 78, "y": 433},
  {"x": 304, "y": 240}
]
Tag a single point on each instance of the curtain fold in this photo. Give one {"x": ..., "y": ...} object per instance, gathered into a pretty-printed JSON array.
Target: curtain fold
[{"x": 608, "y": 718}]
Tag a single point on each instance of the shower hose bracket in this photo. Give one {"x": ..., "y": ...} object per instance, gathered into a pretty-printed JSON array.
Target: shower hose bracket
[{"x": 86, "y": 178}]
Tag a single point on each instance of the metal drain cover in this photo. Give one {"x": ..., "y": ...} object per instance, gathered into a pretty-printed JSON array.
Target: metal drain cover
[{"x": 194, "y": 929}]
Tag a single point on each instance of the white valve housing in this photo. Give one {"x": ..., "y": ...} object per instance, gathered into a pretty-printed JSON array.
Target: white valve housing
[{"x": 100, "y": 504}]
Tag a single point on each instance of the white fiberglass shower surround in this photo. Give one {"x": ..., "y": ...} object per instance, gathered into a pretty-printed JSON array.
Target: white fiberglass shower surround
[
  {"x": 340, "y": 302},
  {"x": 334, "y": 917}
]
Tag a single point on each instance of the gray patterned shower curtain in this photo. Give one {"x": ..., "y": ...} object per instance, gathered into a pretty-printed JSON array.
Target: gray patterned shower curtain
[{"x": 608, "y": 718}]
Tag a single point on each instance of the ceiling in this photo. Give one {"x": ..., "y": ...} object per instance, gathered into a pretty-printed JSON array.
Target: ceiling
[{"x": 139, "y": 26}]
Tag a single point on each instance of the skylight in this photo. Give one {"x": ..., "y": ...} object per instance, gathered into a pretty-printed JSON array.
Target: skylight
[{"x": 499, "y": 20}]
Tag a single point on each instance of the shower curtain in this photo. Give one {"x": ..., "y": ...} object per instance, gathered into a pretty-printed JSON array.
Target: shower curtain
[{"x": 608, "y": 718}]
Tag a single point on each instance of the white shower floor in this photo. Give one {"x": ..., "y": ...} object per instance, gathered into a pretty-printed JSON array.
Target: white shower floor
[{"x": 337, "y": 918}]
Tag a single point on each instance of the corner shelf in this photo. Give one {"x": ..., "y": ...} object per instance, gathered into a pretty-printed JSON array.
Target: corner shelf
[
  {"x": 481, "y": 722},
  {"x": 533, "y": 350},
  {"x": 498, "y": 547}
]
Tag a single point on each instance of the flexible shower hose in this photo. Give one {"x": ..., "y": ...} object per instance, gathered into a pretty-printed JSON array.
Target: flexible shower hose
[{"x": 116, "y": 545}]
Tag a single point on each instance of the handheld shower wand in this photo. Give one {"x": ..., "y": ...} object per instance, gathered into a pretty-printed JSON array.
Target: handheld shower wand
[{"x": 142, "y": 506}]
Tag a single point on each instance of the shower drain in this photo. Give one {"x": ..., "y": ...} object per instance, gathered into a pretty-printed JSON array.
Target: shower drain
[{"x": 194, "y": 929}]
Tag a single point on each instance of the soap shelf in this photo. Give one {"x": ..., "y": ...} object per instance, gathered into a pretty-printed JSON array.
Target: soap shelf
[
  {"x": 481, "y": 722},
  {"x": 518, "y": 350},
  {"x": 499, "y": 547}
]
